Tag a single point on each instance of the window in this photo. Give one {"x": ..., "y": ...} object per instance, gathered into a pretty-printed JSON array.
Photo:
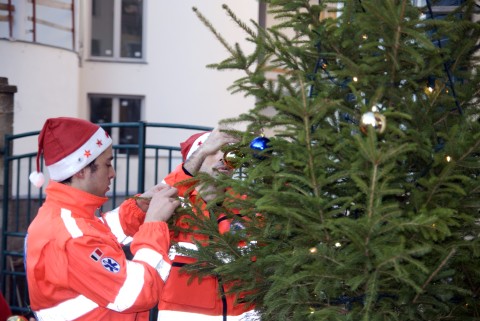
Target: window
[
  {"x": 117, "y": 29},
  {"x": 112, "y": 109}
]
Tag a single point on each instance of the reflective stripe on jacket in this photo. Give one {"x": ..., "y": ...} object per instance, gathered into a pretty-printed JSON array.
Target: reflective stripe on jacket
[{"x": 76, "y": 268}]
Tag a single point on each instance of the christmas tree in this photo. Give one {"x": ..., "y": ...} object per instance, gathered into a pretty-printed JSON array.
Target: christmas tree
[{"x": 362, "y": 200}]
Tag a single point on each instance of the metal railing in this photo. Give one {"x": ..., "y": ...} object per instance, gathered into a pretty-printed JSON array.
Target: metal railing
[{"x": 137, "y": 166}]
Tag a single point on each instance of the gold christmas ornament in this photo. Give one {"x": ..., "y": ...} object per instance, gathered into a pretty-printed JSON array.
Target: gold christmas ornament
[
  {"x": 233, "y": 158},
  {"x": 17, "y": 318},
  {"x": 375, "y": 120}
]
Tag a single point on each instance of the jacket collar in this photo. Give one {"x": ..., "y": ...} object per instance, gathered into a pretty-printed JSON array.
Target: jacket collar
[{"x": 84, "y": 204}]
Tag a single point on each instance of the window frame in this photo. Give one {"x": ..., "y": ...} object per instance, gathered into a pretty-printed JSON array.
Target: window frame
[
  {"x": 115, "y": 133},
  {"x": 117, "y": 30}
]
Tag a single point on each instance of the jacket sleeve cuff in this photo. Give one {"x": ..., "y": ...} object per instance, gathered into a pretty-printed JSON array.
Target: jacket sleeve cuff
[
  {"x": 131, "y": 216},
  {"x": 151, "y": 245}
]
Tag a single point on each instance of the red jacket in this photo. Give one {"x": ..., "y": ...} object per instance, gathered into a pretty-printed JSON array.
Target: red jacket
[
  {"x": 196, "y": 300},
  {"x": 5, "y": 311},
  {"x": 76, "y": 268}
]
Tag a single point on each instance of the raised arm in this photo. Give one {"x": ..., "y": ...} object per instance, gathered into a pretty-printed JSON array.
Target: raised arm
[{"x": 212, "y": 145}]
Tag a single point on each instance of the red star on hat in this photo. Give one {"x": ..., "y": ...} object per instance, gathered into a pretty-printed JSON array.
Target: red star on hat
[
  {"x": 87, "y": 153},
  {"x": 99, "y": 143},
  {"x": 192, "y": 143}
]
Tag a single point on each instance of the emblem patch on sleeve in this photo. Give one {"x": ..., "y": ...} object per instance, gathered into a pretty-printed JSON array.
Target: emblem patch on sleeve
[
  {"x": 96, "y": 255},
  {"x": 111, "y": 265}
]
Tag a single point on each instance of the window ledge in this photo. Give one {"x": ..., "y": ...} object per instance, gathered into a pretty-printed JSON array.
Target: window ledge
[{"x": 117, "y": 60}]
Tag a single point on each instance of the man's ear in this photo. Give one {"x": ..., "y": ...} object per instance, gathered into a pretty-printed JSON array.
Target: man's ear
[{"x": 80, "y": 173}]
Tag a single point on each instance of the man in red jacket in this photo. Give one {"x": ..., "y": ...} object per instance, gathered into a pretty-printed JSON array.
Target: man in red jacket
[
  {"x": 76, "y": 268},
  {"x": 203, "y": 299}
]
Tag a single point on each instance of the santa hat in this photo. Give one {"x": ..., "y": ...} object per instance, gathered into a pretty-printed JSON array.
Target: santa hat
[
  {"x": 68, "y": 145},
  {"x": 192, "y": 143}
]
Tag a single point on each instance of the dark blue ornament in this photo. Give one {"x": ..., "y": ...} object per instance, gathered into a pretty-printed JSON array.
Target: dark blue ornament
[
  {"x": 440, "y": 145},
  {"x": 350, "y": 97},
  {"x": 259, "y": 143}
]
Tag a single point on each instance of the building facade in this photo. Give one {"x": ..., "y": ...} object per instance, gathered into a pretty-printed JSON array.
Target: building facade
[{"x": 120, "y": 61}]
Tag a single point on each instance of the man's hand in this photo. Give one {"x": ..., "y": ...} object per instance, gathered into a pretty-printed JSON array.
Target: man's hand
[
  {"x": 143, "y": 201},
  {"x": 215, "y": 141},
  {"x": 163, "y": 203}
]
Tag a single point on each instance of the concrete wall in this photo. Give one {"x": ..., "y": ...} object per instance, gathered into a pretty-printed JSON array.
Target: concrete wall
[
  {"x": 177, "y": 85},
  {"x": 47, "y": 79}
]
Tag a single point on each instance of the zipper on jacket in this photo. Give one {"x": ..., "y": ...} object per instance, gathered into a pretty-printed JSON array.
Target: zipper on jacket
[{"x": 224, "y": 299}]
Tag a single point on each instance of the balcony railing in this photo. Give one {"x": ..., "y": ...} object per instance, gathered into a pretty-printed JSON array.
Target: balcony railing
[{"x": 50, "y": 22}]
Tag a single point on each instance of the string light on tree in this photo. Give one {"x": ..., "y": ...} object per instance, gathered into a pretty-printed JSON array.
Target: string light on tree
[
  {"x": 430, "y": 85},
  {"x": 323, "y": 63}
]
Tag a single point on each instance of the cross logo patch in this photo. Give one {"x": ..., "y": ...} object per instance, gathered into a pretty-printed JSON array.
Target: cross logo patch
[{"x": 111, "y": 265}]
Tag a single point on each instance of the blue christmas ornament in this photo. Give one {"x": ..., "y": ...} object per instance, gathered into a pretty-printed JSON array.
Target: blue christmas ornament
[{"x": 259, "y": 143}]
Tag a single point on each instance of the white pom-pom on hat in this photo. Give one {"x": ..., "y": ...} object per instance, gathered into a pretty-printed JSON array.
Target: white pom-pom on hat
[{"x": 37, "y": 179}]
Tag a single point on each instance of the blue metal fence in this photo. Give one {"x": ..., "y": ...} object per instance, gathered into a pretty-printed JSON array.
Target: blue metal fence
[{"x": 137, "y": 165}]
